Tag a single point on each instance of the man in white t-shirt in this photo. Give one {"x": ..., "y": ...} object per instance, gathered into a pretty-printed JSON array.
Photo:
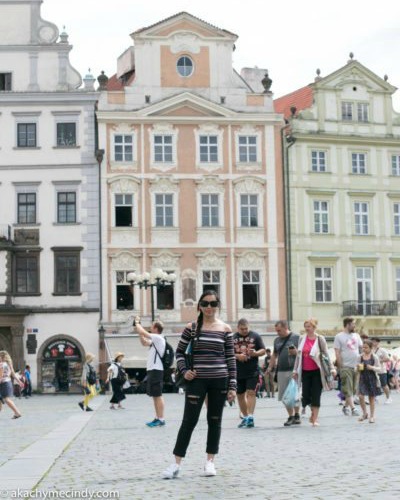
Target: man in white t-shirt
[
  {"x": 155, "y": 370},
  {"x": 383, "y": 359},
  {"x": 348, "y": 345}
]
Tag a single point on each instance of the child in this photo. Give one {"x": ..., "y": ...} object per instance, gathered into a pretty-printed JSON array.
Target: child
[{"x": 368, "y": 384}]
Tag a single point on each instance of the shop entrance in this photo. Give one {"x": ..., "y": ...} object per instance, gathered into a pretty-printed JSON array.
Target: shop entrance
[{"x": 61, "y": 367}]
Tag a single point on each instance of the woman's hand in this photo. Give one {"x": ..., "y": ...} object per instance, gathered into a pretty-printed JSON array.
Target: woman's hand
[
  {"x": 369, "y": 367},
  {"x": 295, "y": 375},
  {"x": 231, "y": 395},
  {"x": 190, "y": 374}
]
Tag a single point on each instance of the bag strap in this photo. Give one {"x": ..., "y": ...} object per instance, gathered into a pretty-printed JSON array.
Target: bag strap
[{"x": 281, "y": 348}]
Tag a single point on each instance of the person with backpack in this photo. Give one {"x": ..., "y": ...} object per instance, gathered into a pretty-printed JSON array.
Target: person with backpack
[
  {"x": 88, "y": 381},
  {"x": 117, "y": 376},
  {"x": 155, "y": 367}
]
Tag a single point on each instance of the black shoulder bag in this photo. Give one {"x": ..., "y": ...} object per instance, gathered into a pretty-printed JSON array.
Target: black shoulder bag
[
  {"x": 180, "y": 380},
  {"x": 279, "y": 353}
]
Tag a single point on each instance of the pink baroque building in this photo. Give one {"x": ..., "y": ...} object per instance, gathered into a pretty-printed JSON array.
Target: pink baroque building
[{"x": 191, "y": 179}]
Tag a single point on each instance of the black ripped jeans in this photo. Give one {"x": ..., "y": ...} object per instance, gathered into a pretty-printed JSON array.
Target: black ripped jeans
[{"x": 216, "y": 390}]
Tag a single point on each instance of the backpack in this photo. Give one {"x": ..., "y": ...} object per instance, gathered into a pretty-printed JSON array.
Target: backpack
[
  {"x": 91, "y": 376},
  {"x": 167, "y": 359},
  {"x": 121, "y": 377}
]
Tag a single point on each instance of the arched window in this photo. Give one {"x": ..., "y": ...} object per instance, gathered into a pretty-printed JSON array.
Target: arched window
[{"x": 184, "y": 66}]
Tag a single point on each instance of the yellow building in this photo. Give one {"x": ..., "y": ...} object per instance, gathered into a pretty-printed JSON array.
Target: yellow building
[{"x": 342, "y": 164}]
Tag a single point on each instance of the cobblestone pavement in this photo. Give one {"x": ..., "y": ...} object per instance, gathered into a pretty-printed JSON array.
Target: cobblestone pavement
[{"x": 115, "y": 451}]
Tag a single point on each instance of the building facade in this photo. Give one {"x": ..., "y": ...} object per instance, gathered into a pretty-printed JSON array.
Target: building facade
[
  {"x": 191, "y": 179},
  {"x": 49, "y": 214},
  {"x": 342, "y": 159}
]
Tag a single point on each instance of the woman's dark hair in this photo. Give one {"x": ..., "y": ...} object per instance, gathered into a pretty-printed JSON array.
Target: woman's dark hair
[
  {"x": 200, "y": 316},
  {"x": 369, "y": 343}
]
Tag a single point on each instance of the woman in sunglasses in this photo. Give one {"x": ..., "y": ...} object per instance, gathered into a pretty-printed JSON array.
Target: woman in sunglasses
[{"x": 213, "y": 376}]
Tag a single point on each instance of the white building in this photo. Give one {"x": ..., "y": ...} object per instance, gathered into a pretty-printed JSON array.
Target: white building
[{"x": 49, "y": 223}]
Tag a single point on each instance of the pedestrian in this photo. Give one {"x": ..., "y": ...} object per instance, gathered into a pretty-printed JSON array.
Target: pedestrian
[
  {"x": 395, "y": 372},
  {"x": 6, "y": 388},
  {"x": 268, "y": 376},
  {"x": 213, "y": 375},
  {"x": 248, "y": 347},
  {"x": 369, "y": 382},
  {"x": 347, "y": 345},
  {"x": 27, "y": 392},
  {"x": 308, "y": 369},
  {"x": 18, "y": 384},
  {"x": 383, "y": 359},
  {"x": 155, "y": 370},
  {"x": 116, "y": 374},
  {"x": 282, "y": 361},
  {"x": 89, "y": 380}
]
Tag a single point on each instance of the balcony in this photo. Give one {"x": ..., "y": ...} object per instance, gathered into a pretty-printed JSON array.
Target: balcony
[{"x": 370, "y": 308}]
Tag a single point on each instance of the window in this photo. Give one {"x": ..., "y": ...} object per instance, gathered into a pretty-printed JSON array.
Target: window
[
  {"x": 398, "y": 284},
  {"x": 248, "y": 210},
  {"x": 164, "y": 210},
  {"x": 26, "y": 208},
  {"x": 165, "y": 296},
  {"x": 209, "y": 148},
  {"x": 321, "y": 217},
  {"x": 247, "y": 148},
  {"x": 66, "y": 134},
  {"x": 362, "y": 112},
  {"x": 123, "y": 147},
  {"x": 66, "y": 207},
  {"x": 27, "y": 273},
  {"x": 323, "y": 284},
  {"x": 163, "y": 148},
  {"x": 318, "y": 161},
  {"x": 396, "y": 213},
  {"x": 26, "y": 135},
  {"x": 184, "y": 66},
  {"x": 251, "y": 289},
  {"x": 123, "y": 210},
  {"x": 347, "y": 111},
  {"x": 209, "y": 210},
  {"x": 124, "y": 295},
  {"x": 67, "y": 272},
  {"x": 5, "y": 81},
  {"x": 395, "y": 164},
  {"x": 212, "y": 281},
  {"x": 361, "y": 217},
  {"x": 358, "y": 163}
]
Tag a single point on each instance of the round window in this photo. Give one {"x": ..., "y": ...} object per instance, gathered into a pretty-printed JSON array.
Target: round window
[{"x": 184, "y": 66}]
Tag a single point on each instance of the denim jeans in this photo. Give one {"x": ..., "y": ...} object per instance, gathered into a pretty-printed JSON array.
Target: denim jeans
[{"x": 216, "y": 390}]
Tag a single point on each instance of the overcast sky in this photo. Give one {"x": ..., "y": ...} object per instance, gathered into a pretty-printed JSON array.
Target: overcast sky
[{"x": 290, "y": 38}]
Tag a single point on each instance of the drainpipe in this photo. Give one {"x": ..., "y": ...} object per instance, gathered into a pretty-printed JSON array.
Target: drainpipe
[{"x": 287, "y": 142}]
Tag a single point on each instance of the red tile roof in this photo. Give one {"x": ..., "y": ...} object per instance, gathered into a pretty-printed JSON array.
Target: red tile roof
[
  {"x": 115, "y": 83},
  {"x": 301, "y": 99}
]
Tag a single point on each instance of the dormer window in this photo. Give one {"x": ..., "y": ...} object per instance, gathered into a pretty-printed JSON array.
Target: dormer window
[{"x": 184, "y": 66}]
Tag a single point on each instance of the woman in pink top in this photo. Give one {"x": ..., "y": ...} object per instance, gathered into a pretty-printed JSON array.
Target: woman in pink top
[{"x": 308, "y": 370}]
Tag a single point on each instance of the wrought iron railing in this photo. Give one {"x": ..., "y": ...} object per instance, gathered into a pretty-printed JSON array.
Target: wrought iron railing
[
  {"x": 5, "y": 232},
  {"x": 370, "y": 308}
]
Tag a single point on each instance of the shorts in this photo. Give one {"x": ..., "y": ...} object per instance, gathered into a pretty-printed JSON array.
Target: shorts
[
  {"x": 155, "y": 381},
  {"x": 348, "y": 378},
  {"x": 384, "y": 379},
  {"x": 283, "y": 380},
  {"x": 6, "y": 389},
  {"x": 246, "y": 384}
]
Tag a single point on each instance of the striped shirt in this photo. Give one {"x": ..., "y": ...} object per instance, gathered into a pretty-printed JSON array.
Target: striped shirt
[{"x": 213, "y": 355}]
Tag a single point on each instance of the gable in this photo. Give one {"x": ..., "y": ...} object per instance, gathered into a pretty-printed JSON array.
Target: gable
[
  {"x": 183, "y": 25},
  {"x": 186, "y": 110}
]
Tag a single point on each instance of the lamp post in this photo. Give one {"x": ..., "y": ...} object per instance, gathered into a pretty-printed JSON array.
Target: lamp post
[{"x": 156, "y": 279}]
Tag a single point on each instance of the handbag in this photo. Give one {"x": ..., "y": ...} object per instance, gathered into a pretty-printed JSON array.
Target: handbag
[
  {"x": 325, "y": 365},
  {"x": 180, "y": 380}
]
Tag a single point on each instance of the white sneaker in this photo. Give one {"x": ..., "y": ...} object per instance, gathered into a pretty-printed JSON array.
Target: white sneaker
[
  {"x": 388, "y": 401},
  {"x": 171, "y": 472},
  {"x": 209, "y": 469}
]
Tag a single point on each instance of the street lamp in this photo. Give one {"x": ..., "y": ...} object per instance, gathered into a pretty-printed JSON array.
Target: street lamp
[{"x": 157, "y": 278}]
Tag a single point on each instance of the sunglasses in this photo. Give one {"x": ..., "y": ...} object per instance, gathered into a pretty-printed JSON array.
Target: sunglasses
[{"x": 211, "y": 303}]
